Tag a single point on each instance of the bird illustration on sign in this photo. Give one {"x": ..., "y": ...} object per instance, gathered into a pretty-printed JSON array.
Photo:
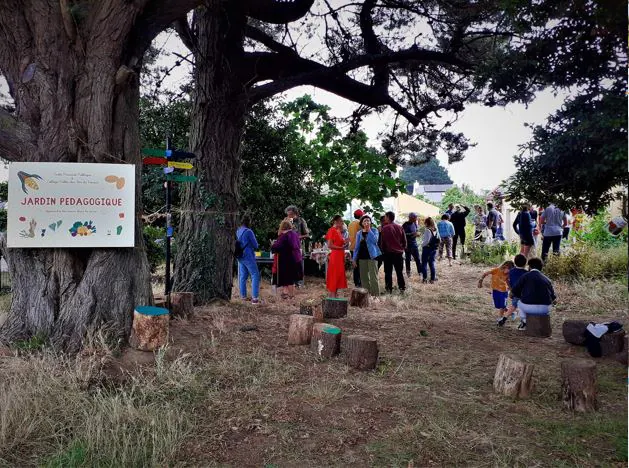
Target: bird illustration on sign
[{"x": 28, "y": 180}]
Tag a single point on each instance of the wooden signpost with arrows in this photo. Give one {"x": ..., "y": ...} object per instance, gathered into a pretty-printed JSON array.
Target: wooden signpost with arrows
[{"x": 170, "y": 160}]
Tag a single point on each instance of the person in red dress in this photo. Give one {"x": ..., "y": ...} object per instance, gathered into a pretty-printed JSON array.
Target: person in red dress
[{"x": 336, "y": 278}]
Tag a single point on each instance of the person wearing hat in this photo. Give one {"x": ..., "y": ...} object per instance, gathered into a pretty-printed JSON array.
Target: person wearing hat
[
  {"x": 353, "y": 229},
  {"x": 410, "y": 229}
]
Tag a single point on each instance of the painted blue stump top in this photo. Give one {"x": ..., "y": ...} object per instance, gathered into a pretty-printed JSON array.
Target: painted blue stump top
[{"x": 150, "y": 310}]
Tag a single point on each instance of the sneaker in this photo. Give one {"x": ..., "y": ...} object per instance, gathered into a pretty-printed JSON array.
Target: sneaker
[
  {"x": 256, "y": 301},
  {"x": 522, "y": 326},
  {"x": 425, "y": 281},
  {"x": 501, "y": 322}
]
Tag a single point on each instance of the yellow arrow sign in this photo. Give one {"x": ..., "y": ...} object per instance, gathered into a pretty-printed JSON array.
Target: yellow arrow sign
[{"x": 179, "y": 165}]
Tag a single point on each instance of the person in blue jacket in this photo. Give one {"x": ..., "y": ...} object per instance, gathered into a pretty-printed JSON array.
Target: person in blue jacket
[
  {"x": 366, "y": 252},
  {"x": 247, "y": 265}
]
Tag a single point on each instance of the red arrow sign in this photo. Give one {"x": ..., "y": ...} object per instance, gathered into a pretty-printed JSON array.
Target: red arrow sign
[{"x": 155, "y": 161}]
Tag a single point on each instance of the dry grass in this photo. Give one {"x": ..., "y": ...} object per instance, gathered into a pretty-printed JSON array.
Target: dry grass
[{"x": 222, "y": 397}]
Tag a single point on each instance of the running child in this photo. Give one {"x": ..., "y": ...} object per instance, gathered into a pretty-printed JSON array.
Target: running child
[{"x": 500, "y": 287}]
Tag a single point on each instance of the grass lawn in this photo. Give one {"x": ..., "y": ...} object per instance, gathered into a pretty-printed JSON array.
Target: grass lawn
[{"x": 221, "y": 397}]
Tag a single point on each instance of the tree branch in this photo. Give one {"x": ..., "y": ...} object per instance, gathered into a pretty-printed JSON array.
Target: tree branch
[
  {"x": 277, "y": 11},
  {"x": 267, "y": 41},
  {"x": 373, "y": 45},
  {"x": 185, "y": 33},
  {"x": 17, "y": 141},
  {"x": 155, "y": 17}
]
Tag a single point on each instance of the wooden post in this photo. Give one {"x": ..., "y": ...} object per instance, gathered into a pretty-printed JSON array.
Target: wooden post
[
  {"x": 574, "y": 331},
  {"x": 359, "y": 298},
  {"x": 513, "y": 377},
  {"x": 538, "y": 325},
  {"x": 159, "y": 300},
  {"x": 182, "y": 304},
  {"x": 326, "y": 340},
  {"x": 612, "y": 343},
  {"x": 312, "y": 307},
  {"x": 334, "y": 307},
  {"x": 299, "y": 329},
  {"x": 150, "y": 328},
  {"x": 578, "y": 385},
  {"x": 361, "y": 352}
]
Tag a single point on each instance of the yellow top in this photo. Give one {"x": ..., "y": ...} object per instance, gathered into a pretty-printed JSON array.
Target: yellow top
[
  {"x": 499, "y": 280},
  {"x": 353, "y": 229}
]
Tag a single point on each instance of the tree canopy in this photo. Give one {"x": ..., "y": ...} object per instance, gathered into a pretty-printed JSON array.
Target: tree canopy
[
  {"x": 463, "y": 196},
  {"x": 430, "y": 172}
]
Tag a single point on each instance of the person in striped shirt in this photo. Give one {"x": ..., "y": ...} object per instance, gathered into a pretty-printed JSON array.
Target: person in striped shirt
[{"x": 446, "y": 233}]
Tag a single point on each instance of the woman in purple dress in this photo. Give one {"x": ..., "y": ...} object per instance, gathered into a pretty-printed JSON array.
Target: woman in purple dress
[{"x": 288, "y": 250}]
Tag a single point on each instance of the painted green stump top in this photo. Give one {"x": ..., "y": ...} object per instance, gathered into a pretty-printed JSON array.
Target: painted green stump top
[
  {"x": 342, "y": 299},
  {"x": 151, "y": 310},
  {"x": 331, "y": 329}
]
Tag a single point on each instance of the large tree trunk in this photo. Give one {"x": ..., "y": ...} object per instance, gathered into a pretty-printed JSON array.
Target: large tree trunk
[
  {"x": 205, "y": 239},
  {"x": 75, "y": 84}
]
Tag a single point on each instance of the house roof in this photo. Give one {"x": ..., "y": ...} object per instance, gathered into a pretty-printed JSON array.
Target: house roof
[{"x": 437, "y": 188}]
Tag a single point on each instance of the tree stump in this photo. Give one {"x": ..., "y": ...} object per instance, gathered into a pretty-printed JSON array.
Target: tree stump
[
  {"x": 326, "y": 340},
  {"x": 334, "y": 307},
  {"x": 513, "y": 377},
  {"x": 574, "y": 331},
  {"x": 359, "y": 298},
  {"x": 361, "y": 352},
  {"x": 159, "y": 300},
  {"x": 578, "y": 385},
  {"x": 612, "y": 343},
  {"x": 299, "y": 329},
  {"x": 312, "y": 307},
  {"x": 538, "y": 325},
  {"x": 150, "y": 328},
  {"x": 622, "y": 356},
  {"x": 182, "y": 304}
]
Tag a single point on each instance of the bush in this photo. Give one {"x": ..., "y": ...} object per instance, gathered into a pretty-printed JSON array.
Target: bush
[
  {"x": 586, "y": 262},
  {"x": 492, "y": 254},
  {"x": 595, "y": 233},
  {"x": 154, "y": 250}
]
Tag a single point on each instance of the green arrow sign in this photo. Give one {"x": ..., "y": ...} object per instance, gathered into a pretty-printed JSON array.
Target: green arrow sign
[
  {"x": 154, "y": 152},
  {"x": 181, "y": 178}
]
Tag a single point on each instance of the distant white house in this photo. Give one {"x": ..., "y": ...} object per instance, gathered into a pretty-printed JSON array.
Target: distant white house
[{"x": 434, "y": 193}]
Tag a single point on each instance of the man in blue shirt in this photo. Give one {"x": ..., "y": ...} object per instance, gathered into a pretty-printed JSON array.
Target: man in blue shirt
[
  {"x": 247, "y": 265},
  {"x": 410, "y": 229},
  {"x": 446, "y": 233}
]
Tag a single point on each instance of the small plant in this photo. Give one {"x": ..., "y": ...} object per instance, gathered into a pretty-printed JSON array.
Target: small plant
[
  {"x": 34, "y": 343},
  {"x": 492, "y": 254},
  {"x": 586, "y": 262},
  {"x": 595, "y": 233}
]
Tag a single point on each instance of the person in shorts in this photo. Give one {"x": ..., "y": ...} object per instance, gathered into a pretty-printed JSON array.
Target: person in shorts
[{"x": 500, "y": 289}]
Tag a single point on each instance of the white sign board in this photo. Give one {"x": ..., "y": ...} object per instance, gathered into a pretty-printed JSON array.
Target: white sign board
[{"x": 71, "y": 205}]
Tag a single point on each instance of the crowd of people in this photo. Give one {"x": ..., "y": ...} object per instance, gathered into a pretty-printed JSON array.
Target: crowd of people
[{"x": 398, "y": 247}]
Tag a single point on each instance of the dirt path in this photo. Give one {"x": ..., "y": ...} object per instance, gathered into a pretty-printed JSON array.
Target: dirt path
[{"x": 430, "y": 401}]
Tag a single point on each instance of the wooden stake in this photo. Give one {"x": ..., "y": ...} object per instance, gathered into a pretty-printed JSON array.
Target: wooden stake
[
  {"x": 578, "y": 385},
  {"x": 361, "y": 352},
  {"x": 513, "y": 377},
  {"x": 326, "y": 340},
  {"x": 299, "y": 329},
  {"x": 150, "y": 328},
  {"x": 334, "y": 307},
  {"x": 359, "y": 298}
]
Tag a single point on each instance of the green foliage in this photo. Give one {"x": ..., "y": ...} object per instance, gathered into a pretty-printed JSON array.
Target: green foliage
[
  {"x": 430, "y": 172},
  {"x": 4, "y": 191},
  {"x": 463, "y": 196},
  {"x": 492, "y": 254},
  {"x": 34, "y": 343},
  {"x": 295, "y": 154},
  {"x": 595, "y": 233},
  {"x": 577, "y": 157},
  {"x": 154, "y": 250},
  {"x": 587, "y": 262}
]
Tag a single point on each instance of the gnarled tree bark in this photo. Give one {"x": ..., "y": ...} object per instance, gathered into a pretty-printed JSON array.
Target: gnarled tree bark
[{"x": 76, "y": 93}]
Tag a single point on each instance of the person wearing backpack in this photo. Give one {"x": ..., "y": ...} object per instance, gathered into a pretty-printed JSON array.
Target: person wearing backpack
[
  {"x": 430, "y": 244},
  {"x": 246, "y": 244}
]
